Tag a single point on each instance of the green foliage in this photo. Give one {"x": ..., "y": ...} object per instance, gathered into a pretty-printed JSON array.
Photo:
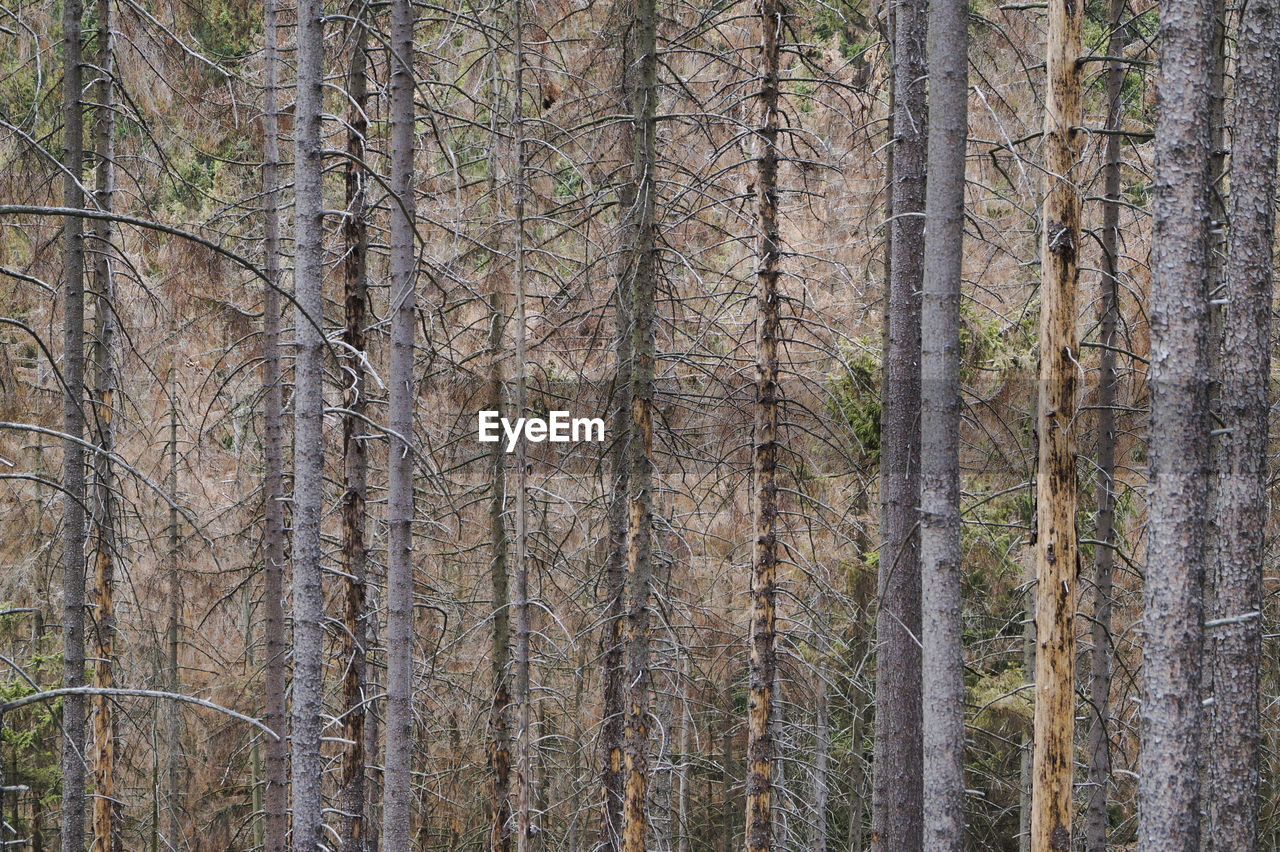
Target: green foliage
[
  {"x": 29, "y": 738},
  {"x": 846, "y": 25},
  {"x": 854, "y": 396},
  {"x": 226, "y": 29}
]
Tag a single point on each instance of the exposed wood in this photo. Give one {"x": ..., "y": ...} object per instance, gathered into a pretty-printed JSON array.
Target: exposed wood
[
  {"x": 103, "y": 542},
  {"x": 643, "y": 271},
  {"x": 1057, "y": 565},
  {"x": 762, "y": 671}
]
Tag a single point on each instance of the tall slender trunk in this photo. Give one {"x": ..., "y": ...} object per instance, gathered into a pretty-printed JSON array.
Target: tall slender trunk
[
  {"x": 274, "y": 806},
  {"x": 397, "y": 781},
  {"x": 499, "y": 747},
  {"x": 613, "y": 724},
  {"x": 1168, "y": 786},
  {"x": 73, "y": 481},
  {"x": 104, "y": 543},
  {"x": 173, "y": 573},
  {"x": 524, "y": 745},
  {"x": 1056, "y": 548},
  {"x": 643, "y": 272},
  {"x": 896, "y": 808},
  {"x": 1028, "y": 734},
  {"x": 764, "y": 564},
  {"x": 943, "y": 627},
  {"x": 821, "y": 729},
  {"x": 354, "y": 440},
  {"x": 1234, "y": 629},
  {"x": 1104, "y": 557},
  {"x": 307, "y": 764},
  {"x": 255, "y": 748}
]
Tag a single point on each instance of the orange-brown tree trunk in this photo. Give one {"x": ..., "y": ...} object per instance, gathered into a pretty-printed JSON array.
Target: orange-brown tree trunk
[
  {"x": 104, "y": 543},
  {"x": 1052, "y": 760},
  {"x": 764, "y": 567}
]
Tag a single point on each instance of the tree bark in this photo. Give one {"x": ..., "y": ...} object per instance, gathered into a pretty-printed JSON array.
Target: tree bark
[
  {"x": 354, "y": 440},
  {"x": 896, "y": 808},
  {"x": 1168, "y": 787},
  {"x": 104, "y": 514},
  {"x": 274, "y": 805},
  {"x": 73, "y": 424},
  {"x": 1057, "y": 560},
  {"x": 1104, "y": 556},
  {"x": 613, "y": 724},
  {"x": 1234, "y": 629},
  {"x": 764, "y": 565},
  {"x": 307, "y": 765},
  {"x": 173, "y": 573},
  {"x": 524, "y": 744},
  {"x": 499, "y": 735},
  {"x": 943, "y": 627},
  {"x": 643, "y": 272},
  {"x": 397, "y": 779}
]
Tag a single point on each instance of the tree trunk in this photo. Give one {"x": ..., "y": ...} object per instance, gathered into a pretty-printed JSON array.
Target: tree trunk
[
  {"x": 174, "y": 576},
  {"x": 1234, "y": 630},
  {"x": 643, "y": 271},
  {"x": 499, "y": 748},
  {"x": 397, "y": 780},
  {"x": 613, "y": 724},
  {"x": 943, "y": 626},
  {"x": 1168, "y": 787},
  {"x": 896, "y": 809},
  {"x": 104, "y": 515},
  {"x": 73, "y": 535},
  {"x": 354, "y": 441},
  {"x": 274, "y": 805},
  {"x": 1104, "y": 556},
  {"x": 307, "y": 764},
  {"x": 524, "y": 745},
  {"x": 764, "y": 565},
  {"x": 1057, "y": 562}
]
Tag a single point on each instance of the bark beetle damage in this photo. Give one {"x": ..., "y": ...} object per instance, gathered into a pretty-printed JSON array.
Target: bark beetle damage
[
  {"x": 1061, "y": 838},
  {"x": 1062, "y": 241}
]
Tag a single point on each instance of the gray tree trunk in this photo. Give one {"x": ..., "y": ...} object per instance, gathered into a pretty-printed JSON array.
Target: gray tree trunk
[
  {"x": 499, "y": 732},
  {"x": 173, "y": 573},
  {"x": 896, "y": 796},
  {"x": 1168, "y": 787},
  {"x": 73, "y": 479},
  {"x": 307, "y": 763},
  {"x": 1240, "y": 510},
  {"x": 397, "y": 779},
  {"x": 1100, "y": 656},
  {"x": 274, "y": 804},
  {"x": 523, "y": 698},
  {"x": 943, "y": 626}
]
